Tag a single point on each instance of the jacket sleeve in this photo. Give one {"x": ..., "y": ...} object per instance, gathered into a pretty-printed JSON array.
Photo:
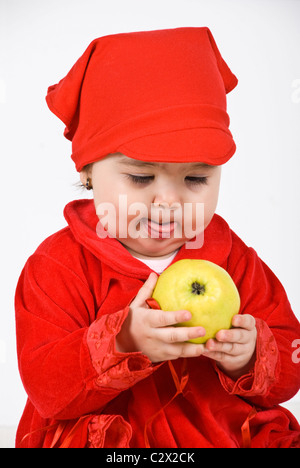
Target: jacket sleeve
[
  {"x": 67, "y": 357},
  {"x": 275, "y": 377}
]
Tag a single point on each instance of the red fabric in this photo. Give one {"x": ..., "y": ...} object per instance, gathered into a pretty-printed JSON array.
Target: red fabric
[
  {"x": 152, "y": 95},
  {"x": 71, "y": 301}
]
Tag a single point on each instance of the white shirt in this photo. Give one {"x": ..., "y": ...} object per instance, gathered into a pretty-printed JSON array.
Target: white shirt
[{"x": 157, "y": 264}]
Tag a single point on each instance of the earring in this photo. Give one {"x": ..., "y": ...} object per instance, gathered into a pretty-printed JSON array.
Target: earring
[{"x": 88, "y": 184}]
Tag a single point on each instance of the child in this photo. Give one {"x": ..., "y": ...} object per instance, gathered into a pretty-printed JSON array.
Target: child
[{"x": 102, "y": 365}]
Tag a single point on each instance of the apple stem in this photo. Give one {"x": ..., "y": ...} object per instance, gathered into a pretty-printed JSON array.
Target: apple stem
[{"x": 198, "y": 288}]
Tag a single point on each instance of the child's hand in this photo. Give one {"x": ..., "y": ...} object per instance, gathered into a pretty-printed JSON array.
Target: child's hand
[
  {"x": 234, "y": 349},
  {"x": 152, "y": 332}
]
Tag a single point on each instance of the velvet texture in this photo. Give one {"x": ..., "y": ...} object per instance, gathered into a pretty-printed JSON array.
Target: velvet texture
[
  {"x": 71, "y": 301},
  {"x": 152, "y": 95}
]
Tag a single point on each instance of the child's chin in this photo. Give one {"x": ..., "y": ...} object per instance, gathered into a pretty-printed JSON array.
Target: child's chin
[{"x": 152, "y": 247}]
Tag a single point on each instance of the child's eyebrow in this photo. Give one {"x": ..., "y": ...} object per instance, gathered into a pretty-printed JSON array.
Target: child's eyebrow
[
  {"x": 202, "y": 166},
  {"x": 138, "y": 163},
  {"x": 135, "y": 162}
]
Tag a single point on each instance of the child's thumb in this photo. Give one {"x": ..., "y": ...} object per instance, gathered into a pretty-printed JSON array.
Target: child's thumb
[{"x": 146, "y": 290}]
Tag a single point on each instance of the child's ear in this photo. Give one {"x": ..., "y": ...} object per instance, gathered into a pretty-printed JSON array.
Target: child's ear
[
  {"x": 83, "y": 176},
  {"x": 85, "y": 173}
]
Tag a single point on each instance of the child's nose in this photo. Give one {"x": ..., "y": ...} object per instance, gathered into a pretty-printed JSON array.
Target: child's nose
[{"x": 166, "y": 196}]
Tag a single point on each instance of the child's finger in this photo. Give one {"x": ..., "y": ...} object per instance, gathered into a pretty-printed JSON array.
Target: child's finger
[
  {"x": 238, "y": 335},
  {"x": 181, "y": 350},
  {"x": 246, "y": 321},
  {"x": 146, "y": 290},
  {"x": 213, "y": 347},
  {"x": 160, "y": 318},
  {"x": 179, "y": 334},
  {"x": 235, "y": 335},
  {"x": 215, "y": 355}
]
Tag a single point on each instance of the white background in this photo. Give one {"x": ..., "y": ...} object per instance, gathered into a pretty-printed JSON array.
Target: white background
[{"x": 40, "y": 41}]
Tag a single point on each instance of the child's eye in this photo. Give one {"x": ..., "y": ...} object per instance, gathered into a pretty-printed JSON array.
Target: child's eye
[
  {"x": 196, "y": 180},
  {"x": 140, "y": 179}
]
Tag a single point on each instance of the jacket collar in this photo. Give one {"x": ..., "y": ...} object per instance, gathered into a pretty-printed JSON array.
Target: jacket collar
[{"x": 83, "y": 223}]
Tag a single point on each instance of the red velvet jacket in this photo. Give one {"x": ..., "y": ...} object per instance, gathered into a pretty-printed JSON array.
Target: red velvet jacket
[{"x": 71, "y": 301}]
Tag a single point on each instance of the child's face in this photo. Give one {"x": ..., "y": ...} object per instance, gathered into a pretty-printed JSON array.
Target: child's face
[{"x": 153, "y": 208}]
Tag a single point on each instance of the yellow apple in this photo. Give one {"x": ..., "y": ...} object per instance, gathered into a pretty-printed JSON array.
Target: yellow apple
[{"x": 204, "y": 289}]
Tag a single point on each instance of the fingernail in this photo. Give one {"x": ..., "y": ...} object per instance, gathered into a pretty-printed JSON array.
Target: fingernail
[
  {"x": 187, "y": 316},
  {"x": 236, "y": 321},
  {"x": 222, "y": 335},
  {"x": 210, "y": 345}
]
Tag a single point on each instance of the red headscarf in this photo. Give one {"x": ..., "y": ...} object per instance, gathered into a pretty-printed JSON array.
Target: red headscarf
[{"x": 155, "y": 96}]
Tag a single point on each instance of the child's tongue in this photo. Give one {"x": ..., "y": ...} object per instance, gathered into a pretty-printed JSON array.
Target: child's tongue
[{"x": 161, "y": 227}]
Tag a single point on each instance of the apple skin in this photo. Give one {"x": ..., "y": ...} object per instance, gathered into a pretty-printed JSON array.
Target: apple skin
[{"x": 204, "y": 289}]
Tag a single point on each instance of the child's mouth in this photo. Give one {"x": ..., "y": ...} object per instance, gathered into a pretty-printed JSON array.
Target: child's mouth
[{"x": 159, "y": 230}]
